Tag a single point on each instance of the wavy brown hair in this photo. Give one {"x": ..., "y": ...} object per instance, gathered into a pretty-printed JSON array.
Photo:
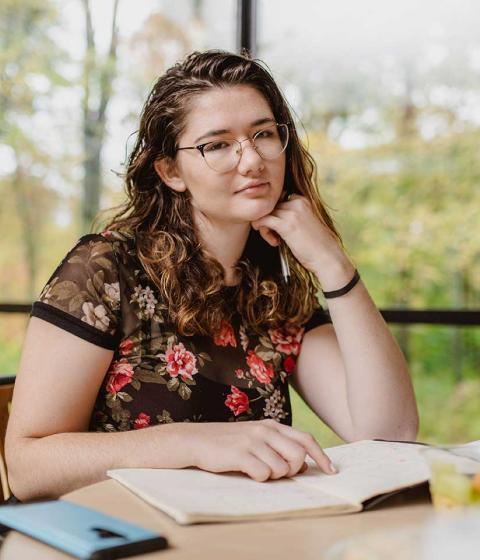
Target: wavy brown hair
[{"x": 191, "y": 281}]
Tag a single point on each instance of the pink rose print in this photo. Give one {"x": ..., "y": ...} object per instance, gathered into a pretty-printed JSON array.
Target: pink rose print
[
  {"x": 180, "y": 362},
  {"x": 240, "y": 373},
  {"x": 237, "y": 401},
  {"x": 287, "y": 339},
  {"x": 142, "y": 421},
  {"x": 126, "y": 347},
  {"x": 289, "y": 364},
  {"x": 225, "y": 336},
  {"x": 259, "y": 369},
  {"x": 121, "y": 373}
]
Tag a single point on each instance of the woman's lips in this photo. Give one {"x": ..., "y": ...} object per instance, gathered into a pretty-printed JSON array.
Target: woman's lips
[{"x": 256, "y": 188}]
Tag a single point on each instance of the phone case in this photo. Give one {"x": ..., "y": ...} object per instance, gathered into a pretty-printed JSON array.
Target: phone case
[{"x": 80, "y": 531}]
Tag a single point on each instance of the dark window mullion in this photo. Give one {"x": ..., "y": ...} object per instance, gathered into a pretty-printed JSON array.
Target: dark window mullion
[
  {"x": 247, "y": 26},
  {"x": 452, "y": 317}
]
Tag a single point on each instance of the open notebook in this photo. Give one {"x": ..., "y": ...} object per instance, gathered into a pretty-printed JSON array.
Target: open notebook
[{"x": 367, "y": 469}]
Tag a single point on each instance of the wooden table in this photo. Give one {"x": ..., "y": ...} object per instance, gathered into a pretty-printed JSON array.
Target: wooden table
[{"x": 292, "y": 539}]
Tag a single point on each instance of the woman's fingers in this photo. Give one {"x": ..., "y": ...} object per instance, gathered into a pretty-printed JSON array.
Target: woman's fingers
[
  {"x": 278, "y": 465},
  {"x": 303, "y": 469},
  {"x": 270, "y": 236},
  {"x": 309, "y": 443},
  {"x": 255, "y": 468},
  {"x": 291, "y": 452},
  {"x": 269, "y": 221},
  {"x": 262, "y": 449}
]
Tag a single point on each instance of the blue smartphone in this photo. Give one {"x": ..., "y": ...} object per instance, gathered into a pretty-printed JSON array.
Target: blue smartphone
[{"x": 80, "y": 531}]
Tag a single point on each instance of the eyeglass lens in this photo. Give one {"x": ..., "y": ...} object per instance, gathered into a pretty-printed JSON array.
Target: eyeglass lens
[{"x": 224, "y": 154}]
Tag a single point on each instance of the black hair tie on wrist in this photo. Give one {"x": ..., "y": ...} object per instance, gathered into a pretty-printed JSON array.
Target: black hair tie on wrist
[{"x": 345, "y": 289}]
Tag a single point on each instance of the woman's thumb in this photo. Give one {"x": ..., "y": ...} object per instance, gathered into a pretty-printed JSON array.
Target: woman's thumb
[{"x": 269, "y": 236}]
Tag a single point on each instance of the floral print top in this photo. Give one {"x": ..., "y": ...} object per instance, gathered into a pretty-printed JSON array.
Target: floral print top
[{"x": 101, "y": 293}]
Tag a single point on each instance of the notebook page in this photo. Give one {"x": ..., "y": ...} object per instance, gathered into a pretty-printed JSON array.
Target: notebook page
[
  {"x": 367, "y": 469},
  {"x": 470, "y": 450},
  {"x": 189, "y": 495}
]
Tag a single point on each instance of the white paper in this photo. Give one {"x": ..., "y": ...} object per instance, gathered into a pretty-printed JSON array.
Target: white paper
[
  {"x": 188, "y": 494},
  {"x": 367, "y": 469}
]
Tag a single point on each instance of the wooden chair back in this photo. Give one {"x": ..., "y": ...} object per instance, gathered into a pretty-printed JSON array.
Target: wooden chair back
[{"x": 6, "y": 393}]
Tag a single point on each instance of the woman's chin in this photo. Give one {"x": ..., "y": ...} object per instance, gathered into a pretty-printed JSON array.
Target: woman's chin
[{"x": 261, "y": 209}]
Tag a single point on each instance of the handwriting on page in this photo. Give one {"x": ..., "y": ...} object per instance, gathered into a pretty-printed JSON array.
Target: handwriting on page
[
  {"x": 367, "y": 469},
  {"x": 193, "y": 492}
]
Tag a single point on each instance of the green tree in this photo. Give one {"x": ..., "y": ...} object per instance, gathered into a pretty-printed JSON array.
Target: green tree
[
  {"x": 28, "y": 56},
  {"x": 98, "y": 76}
]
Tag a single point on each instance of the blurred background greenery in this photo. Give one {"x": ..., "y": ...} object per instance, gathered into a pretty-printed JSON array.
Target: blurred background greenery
[{"x": 386, "y": 96}]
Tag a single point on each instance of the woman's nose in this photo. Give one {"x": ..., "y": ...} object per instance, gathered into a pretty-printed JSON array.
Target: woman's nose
[{"x": 249, "y": 159}]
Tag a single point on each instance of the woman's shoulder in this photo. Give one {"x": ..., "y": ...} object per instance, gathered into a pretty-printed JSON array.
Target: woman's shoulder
[
  {"x": 120, "y": 240},
  {"x": 116, "y": 245},
  {"x": 93, "y": 259},
  {"x": 117, "y": 240}
]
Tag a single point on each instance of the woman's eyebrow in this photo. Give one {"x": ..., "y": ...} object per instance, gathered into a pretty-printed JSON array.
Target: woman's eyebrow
[{"x": 225, "y": 130}]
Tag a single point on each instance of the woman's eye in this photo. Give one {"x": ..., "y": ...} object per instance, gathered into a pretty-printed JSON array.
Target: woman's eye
[
  {"x": 215, "y": 146},
  {"x": 264, "y": 134}
]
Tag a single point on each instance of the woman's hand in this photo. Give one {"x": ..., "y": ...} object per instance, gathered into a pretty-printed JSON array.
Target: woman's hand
[
  {"x": 262, "y": 449},
  {"x": 310, "y": 240}
]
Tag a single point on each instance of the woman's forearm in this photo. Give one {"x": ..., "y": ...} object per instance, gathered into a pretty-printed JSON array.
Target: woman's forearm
[
  {"x": 379, "y": 390},
  {"x": 50, "y": 466},
  {"x": 261, "y": 449}
]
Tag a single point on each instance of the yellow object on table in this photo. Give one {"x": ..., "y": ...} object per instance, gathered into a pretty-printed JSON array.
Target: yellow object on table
[{"x": 455, "y": 477}]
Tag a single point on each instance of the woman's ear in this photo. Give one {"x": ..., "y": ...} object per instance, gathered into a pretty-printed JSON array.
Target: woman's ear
[{"x": 167, "y": 170}]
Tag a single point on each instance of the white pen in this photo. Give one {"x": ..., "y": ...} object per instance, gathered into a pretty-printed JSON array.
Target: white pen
[
  {"x": 284, "y": 263},
  {"x": 281, "y": 249}
]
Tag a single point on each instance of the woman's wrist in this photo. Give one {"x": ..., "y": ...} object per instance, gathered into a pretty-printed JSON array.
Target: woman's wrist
[
  {"x": 344, "y": 289},
  {"x": 191, "y": 434},
  {"x": 335, "y": 273},
  {"x": 167, "y": 446}
]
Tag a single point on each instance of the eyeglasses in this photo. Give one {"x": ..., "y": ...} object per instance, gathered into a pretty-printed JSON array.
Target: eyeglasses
[{"x": 224, "y": 154}]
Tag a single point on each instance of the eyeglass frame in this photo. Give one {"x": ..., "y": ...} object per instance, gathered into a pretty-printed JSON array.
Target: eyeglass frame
[{"x": 201, "y": 147}]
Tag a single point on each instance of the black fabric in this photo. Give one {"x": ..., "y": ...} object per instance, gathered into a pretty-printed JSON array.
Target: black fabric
[
  {"x": 101, "y": 293},
  {"x": 73, "y": 325},
  {"x": 320, "y": 317},
  {"x": 13, "y": 500}
]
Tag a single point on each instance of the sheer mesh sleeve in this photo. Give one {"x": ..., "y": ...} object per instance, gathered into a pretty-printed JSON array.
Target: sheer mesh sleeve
[
  {"x": 320, "y": 317},
  {"x": 83, "y": 294}
]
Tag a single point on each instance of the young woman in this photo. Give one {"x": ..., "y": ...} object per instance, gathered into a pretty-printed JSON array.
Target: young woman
[{"x": 170, "y": 339}]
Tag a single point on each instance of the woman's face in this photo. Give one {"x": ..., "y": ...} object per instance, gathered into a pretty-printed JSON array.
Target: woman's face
[{"x": 213, "y": 194}]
